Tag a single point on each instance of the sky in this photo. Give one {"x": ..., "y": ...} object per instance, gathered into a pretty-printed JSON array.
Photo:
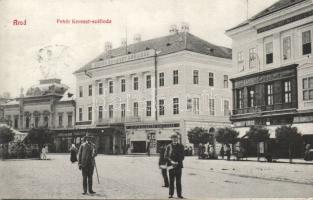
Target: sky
[{"x": 44, "y": 48}]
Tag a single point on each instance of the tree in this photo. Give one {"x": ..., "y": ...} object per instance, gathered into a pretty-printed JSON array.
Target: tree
[
  {"x": 199, "y": 135},
  {"x": 226, "y": 136},
  {"x": 258, "y": 134},
  {"x": 39, "y": 136},
  {"x": 6, "y": 136},
  {"x": 290, "y": 137}
]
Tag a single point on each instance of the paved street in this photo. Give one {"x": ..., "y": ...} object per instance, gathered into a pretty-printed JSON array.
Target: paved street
[{"x": 139, "y": 177}]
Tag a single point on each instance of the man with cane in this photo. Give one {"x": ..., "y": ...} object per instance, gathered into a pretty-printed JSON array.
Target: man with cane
[{"x": 86, "y": 162}]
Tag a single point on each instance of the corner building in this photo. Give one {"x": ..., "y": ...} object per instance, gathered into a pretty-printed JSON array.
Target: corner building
[
  {"x": 272, "y": 56},
  {"x": 135, "y": 96}
]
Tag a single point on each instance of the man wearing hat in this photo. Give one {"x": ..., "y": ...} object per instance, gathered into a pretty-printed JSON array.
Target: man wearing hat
[
  {"x": 175, "y": 155},
  {"x": 86, "y": 162}
]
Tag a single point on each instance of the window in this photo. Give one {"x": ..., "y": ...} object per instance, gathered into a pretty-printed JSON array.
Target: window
[
  {"x": 239, "y": 97},
  {"x": 111, "y": 87},
  {"x": 195, "y": 77},
  {"x": 46, "y": 121},
  {"x": 175, "y": 106},
  {"x": 80, "y": 114},
  {"x": 100, "y": 113},
  {"x": 226, "y": 107},
  {"x": 211, "y": 107},
  {"x": 36, "y": 121},
  {"x": 175, "y": 77},
  {"x": 90, "y": 90},
  {"x": 240, "y": 61},
  {"x": 196, "y": 106},
  {"x": 240, "y": 57},
  {"x": 161, "y": 107},
  {"x": 60, "y": 120},
  {"x": 211, "y": 79},
  {"x": 287, "y": 91},
  {"x": 189, "y": 104},
  {"x": 306, "y": 42},
  {"x": 110, "y": 111},
  {"x": 308, "y": 88},
  {"x": 100, "y": 88},
  {"x": 70, "y": 120},
  {"x": 135, "y": 109},
  {"x": 269, "y": 94},
  {"x": 225, "y": 81},
  {"x": 16, "y": 122},
  {"x": 89, "y": 113},
  {"x": 80, "y": 91},
  {"x": 148, "y": 81},
  {"x": 161, "y": 79},
  {"x": 135, "y": 83},
  {"x": 251, "y": 94},
  {"x": 287, "y": 48},
  {"x": 27, "y": 122},
  {"x": 269, "y": 52},
  {"x": 123, "y": 85},
  {"x": 252, "y": 57},
  {"x": 148, "y": 108},
  {"x": 123, "y": 108}
]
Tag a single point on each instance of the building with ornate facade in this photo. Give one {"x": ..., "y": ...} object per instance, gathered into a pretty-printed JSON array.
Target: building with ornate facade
[
  {"x": 47, "y": 104},
  {"x": 273, "y": 58},
  {"x": 135, "y": 96}
]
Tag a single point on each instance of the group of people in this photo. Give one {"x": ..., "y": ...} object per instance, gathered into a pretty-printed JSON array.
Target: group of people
[
  {"x": 44, "y": 152},
  {"x": 170, "y": 162}
]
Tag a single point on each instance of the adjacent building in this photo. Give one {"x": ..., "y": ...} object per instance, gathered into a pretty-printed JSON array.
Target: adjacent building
[
  {"x": 47, "y": 104},
  {"x": 132, "y": 98},
  {"x": 273, "y": 59}
]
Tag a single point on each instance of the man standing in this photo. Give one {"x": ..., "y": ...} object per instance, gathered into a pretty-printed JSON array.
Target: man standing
[
  {"x": 86, "y": 162},
  {"x": 175, "y": 155},
  {"x": 162, "y": 165}
]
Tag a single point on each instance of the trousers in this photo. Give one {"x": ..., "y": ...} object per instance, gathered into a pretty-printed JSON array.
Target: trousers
[
  {"x": 165, "y": 177},
  {"x": 175, "y": 175},
  {"x": 87, "y": 173}
]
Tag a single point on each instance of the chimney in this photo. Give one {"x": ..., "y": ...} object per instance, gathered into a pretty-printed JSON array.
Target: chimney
[
  {"x": 123, "y": 42},
  {"x": 173, "y": 29},
  {"x": 184, "y": 27},
  {"x": 107, "y": 46},
  {"x": 137, "y": 38}
]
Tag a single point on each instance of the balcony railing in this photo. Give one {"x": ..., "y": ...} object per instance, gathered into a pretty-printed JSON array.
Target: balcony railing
[
  {"x": 265, "y": 108},
  {"x": 118, "y": 120}
]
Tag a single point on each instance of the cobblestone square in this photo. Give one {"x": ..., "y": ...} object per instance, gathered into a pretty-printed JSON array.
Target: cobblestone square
[{"x": 131, "y": 177}]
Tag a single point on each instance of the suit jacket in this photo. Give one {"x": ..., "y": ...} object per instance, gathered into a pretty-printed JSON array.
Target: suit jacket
[
  {"x": 86, "y": 154},
  {"x": 175, "y": 153}
]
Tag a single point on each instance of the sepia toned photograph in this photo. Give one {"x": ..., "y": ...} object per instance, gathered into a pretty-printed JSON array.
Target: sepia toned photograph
[{"x": 156, "y": 99}]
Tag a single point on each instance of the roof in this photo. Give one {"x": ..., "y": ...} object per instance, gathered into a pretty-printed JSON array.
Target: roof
[
  {"x": 166, "y": 45},
  {"x": 68, "y": 96},
  {"x": 13, "y": 102},
  {"x": 279, "y": 5}
]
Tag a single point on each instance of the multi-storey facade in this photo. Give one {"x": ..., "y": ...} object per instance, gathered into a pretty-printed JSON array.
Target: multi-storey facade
[
  {"x": 48, "y": 105},
  {"x": 135, "y": 96},
  {"x": 272, "y": 55}
]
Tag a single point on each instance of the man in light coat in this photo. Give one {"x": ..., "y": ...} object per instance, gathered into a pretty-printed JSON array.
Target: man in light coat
[{"x": 86, "y": 162}]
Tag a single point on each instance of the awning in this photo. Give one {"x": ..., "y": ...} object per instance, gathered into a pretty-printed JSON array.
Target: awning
[
  {"x": 305, "y": 128},
  {"x": 242, "y": 131}
]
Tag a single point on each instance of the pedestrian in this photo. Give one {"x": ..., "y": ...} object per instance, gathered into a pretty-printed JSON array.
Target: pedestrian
[
  {"x": 73, "y": 151},
  {"x": 228, "y": 151},
  {"x": 200, "y": 151},
  {"x": 222, "y": 152},
  {"x": 86, "y": 162},
  {"x": 148, "y": 148},
  {"x": 163, "y": 166},
  {"x": 44, "y": 153},
  {"x": 175, "y": 155},
  {"x": 209, "y": 151}
]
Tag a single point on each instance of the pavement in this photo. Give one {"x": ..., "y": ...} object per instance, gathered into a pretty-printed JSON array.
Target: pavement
[{"x": 138, "y": 177}]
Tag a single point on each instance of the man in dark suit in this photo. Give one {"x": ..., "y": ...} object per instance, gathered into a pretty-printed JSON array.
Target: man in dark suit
[
  {"x": 86, "y": 162},
  {"x": 162, "y": 165},
  {"x": 175, "y": 155}
]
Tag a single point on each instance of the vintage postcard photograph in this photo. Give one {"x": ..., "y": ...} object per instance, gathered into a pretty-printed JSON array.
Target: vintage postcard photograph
[{"x": 156, "y": 99}]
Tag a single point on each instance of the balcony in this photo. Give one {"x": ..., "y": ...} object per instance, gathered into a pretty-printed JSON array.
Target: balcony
[
  {"x": 265, "y": 108},
  {"x": 117, "y": 120}
]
